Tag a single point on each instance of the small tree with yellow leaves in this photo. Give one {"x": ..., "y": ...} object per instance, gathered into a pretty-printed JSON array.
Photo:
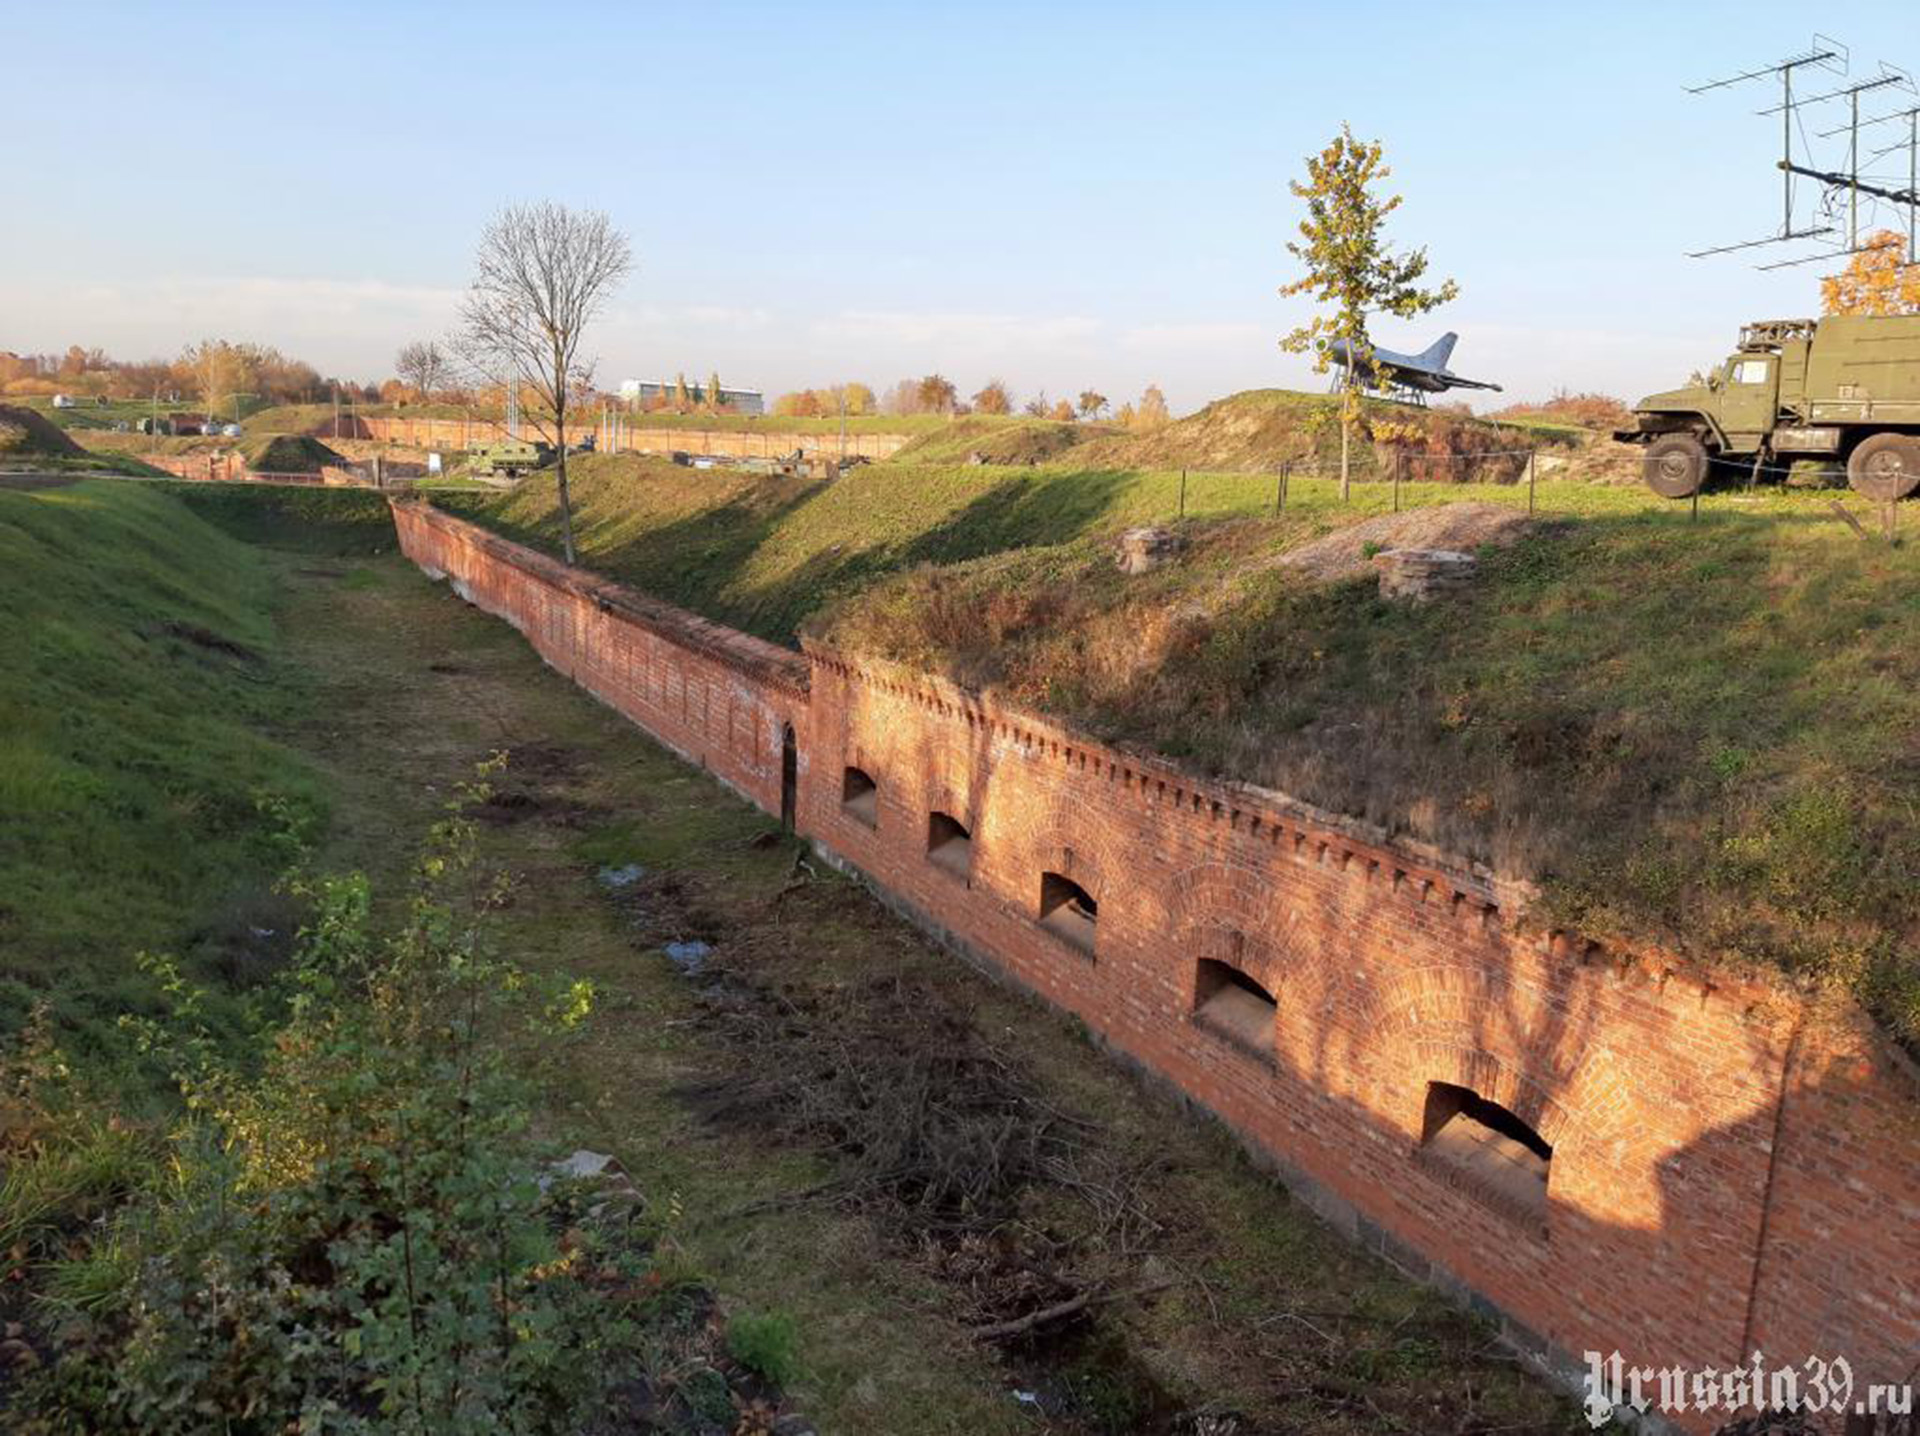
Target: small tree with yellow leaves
[
  {"x": 1878, "y": 280},
  {"x": 1351, "y": 268}
]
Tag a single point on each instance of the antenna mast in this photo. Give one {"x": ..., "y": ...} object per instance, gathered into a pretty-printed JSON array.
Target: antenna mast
[
  {"x": 1823, "y": 53},
  {"x": 1843, "y": 175}
]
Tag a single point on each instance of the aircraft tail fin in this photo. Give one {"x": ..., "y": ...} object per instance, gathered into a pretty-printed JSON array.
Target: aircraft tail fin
[{"x": 1437, "y": 353}]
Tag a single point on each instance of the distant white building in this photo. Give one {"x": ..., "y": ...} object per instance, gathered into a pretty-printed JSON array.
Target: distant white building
[{"x": 740, "y": 401}]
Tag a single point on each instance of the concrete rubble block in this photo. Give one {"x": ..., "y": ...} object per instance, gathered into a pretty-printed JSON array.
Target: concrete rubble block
[
  {"x": 1145, "y": 549},
  {"x": 1421, "y": 575}
]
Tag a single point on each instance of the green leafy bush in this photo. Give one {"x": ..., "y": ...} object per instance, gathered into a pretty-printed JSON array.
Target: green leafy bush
[
  {"x": 763, "y": 1342},
  {"x": 349, "y": 1234}
]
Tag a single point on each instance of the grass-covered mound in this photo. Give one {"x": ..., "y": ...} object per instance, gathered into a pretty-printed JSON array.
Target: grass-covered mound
[
  {"x": 1695, "y": 733},
  {"x": 26, "y": 434},
  {"x": 1700, "y": 734},
  {"x": 1261, "y": 429},
  {"x": 135, "y": 783},
  {"x": 763, "y": 554},
  {"x": 288, "y": 454},
  {"x": 994, "y": 439},
  {"x": 317, "y": 420}
]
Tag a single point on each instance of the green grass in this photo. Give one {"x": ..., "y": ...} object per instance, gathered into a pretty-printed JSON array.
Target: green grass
[
  {"x": 381, "y": 691},
  {"x": 300, "y": 418},
  {"x": 765, "y": 554},
  {"x": 778, "y": 424},
  {"x": 141, "y": 791},
  {"x": 1694, "y": 733},
  {"x": 94, "y": 461},
  {"x": 130, "y": 411},
  {"x": 1697, "y": 733},
  {"x": 1259, "y": 430},
  {"x": 999, "y": 440}
]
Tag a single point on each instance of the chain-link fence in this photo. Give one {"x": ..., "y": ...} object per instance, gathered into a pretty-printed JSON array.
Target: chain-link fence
[{"x": 1538, "y": 480}]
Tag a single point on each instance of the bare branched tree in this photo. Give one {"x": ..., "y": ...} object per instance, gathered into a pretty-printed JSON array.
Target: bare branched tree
[
  {"x": 542, "y": 274},
  {"x": 423, "y": 367}
]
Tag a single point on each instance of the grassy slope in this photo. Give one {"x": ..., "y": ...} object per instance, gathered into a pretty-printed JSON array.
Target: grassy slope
[
  {"x": 287, "y": 454},
  {"x": 882, "y": 1336},
  {"x": 1698, "y": 734},
  {"x": 304, "y": 418},
  {"x": 86, "y": 417},
  {"x": 765, "y": 554},
  {"x": 383, "y": 690},
  {"x": 1261, "y": 429},
  {"x": 998, "y": 440},
  {"x": 25, "y": 433},
  {"x": 141, "y": 671}
]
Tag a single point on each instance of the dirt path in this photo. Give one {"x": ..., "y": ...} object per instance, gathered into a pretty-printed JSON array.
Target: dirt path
[{"x": 753, "y": 1079}]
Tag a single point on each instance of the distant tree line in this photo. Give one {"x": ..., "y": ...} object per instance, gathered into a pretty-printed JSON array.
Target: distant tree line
[
  {"x": 936, "y": 394},
  {"x": 212, "y": 372}
]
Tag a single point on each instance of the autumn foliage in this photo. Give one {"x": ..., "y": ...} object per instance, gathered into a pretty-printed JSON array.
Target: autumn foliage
[
  {"x": 213, "y": 364},
  {"x": 993, "y": 398},
  {"x": 826, "y": 403},
  {"x": 1878, "y": 280}
]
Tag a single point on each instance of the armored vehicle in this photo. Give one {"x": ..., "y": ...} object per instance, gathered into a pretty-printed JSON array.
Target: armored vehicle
[
  {"x": 1844, "y": 388},
  {"x": 512, "y": 457}
]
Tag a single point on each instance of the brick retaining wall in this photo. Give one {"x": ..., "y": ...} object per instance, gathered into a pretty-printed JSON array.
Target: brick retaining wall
[
  {"x": 769, "y": 443},
  {"x": 1729, "y": 1171},
  {"x": 229, "y": 467}
]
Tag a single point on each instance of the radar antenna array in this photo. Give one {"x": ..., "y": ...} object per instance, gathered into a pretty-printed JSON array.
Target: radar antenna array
[{"x": 1843, "y": 184}]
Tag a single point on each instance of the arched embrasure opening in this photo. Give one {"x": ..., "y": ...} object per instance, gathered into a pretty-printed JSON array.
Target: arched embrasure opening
[
  {"x": 1501, "y": 1156},
  {"x": 949, "y": 844},
  {"x": 1224, "y": 997},
  {"x": 1068, "y": 910},
  {"x": 860, "y": 797}
]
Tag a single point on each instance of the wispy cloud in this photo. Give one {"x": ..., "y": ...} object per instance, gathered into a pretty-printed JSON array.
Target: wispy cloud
[
  {"x": 730, "y": 319},
  {"x": 1007, "y": 334},
  {"x": 329, "y": 321},
  {"x": 1204, "y": 336}
]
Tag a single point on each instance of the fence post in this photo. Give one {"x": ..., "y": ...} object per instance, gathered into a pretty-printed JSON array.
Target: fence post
[
  {"x": 1399, "y": 459},
  {"x": 1183, "y": 493},
  {"x": 1280, "y": 493},
  {"x": 1532, "y": 454}
]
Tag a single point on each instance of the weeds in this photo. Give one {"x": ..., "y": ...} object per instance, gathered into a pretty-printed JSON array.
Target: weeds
[
  {"x": 1695, "y": 738},
  {"x": 764, "y": 1343},
  {"x": 348, "y": 1233}
]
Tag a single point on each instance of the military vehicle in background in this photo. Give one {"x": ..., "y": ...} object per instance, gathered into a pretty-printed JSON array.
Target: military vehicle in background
[
  {"x": 509, "y": 457},
  {"x": 1842, "y": 388}
]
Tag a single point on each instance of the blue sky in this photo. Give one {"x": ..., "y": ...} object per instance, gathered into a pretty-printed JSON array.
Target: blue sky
[{"x": 1061, "y": 196}]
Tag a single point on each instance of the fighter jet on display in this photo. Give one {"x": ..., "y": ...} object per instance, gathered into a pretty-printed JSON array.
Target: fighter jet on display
[{"x": 1416, "y": 375}]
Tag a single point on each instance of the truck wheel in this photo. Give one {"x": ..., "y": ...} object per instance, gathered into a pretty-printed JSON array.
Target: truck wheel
[
  {"x": 1885, "y": 467},
  {"x": 1676, "y": 465}
]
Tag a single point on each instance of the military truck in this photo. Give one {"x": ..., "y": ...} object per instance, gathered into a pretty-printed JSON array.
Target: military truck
[
  {"x": 512, "y": 457},
  {"x": 1842, "y": 388}
]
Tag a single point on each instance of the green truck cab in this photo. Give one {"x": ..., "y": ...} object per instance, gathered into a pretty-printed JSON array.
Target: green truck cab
[
  {"x": 512, "y": 457},
  {"x": 1846, "y": 387}
]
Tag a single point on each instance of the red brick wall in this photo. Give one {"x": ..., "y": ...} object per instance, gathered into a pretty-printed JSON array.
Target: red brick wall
[
  {"x": 769, "y": 443},
  {"x": 1729, "y": 1170},
  {"x": 717, "y": 697},
  {"x": 229, "y": 467}
]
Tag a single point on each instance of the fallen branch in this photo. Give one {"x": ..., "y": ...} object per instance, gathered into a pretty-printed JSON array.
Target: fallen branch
[{"x": 995, "y": 1331}]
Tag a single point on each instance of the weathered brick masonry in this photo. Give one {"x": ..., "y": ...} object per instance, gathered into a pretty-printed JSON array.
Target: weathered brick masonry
[
  {"x": 771, "y": 441},
  {"x": 717, "y": 697},
  {"x": 1729, "y": 1171}
]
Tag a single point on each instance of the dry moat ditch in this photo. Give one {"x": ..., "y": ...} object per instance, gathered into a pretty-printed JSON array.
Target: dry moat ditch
[{"x": 975, "y": 1220}]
